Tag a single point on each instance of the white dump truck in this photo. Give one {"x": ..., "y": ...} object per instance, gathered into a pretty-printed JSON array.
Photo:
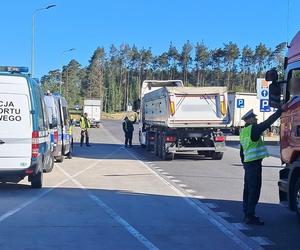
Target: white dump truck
[
  {"x": 240, "y": 103},
  {"x": 93, "y": 109},
  {"x": 174, "y": 119}
]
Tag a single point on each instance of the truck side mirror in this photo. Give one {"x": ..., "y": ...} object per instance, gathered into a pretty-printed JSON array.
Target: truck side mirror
[
  {"x": 136, "y": 105},
  {"x": 275, "y": 95},
  {"x": 272, "y": 75}
]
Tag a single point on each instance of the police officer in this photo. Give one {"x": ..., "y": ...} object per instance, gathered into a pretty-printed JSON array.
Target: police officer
[
  {"x": 128, "y": 130},
  {"x": 253, "y": 151},
  {"x": 84, "y": 125}
]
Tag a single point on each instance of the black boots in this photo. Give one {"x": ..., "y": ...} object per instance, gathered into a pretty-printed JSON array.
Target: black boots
[{"x": 253, "y": 220}]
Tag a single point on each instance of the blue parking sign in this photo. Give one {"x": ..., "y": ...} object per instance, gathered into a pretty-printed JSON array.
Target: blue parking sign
[
  {"x": 240, "y": 103},
  {"x": 264, "y": 105}
]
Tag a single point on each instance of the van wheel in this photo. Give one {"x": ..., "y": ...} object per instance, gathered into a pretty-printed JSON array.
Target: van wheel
[
  {"x": 297, "y": 198},
  {"x": 217, "y": 155},
  {"x": 37, "y": 180},
  {"x": 51, "y": 165}
]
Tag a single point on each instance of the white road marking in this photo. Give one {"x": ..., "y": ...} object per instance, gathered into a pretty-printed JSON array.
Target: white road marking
[
  {"x": 44, "y": 193},
  {"x": 170, "y": 177},
  {"x": 164, "y": 173},
  {"x": 176, "y": 181},
  {"x": 200, "y": 197},
  {"x": 191, "y": 191},
  {"x": 182, "y": 185},
  {"x": 211, "y": 205},
  {"x": 135, "y": 233},
  {"x": 241, "y": 226},
  {"x": 224, "y": 214},
  {"x": 239, "y": 238},
  {"x": 27, "y": 203},
  {"x": 263, "y": 241}
]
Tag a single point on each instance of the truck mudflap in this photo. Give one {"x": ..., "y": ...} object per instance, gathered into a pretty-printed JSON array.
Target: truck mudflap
[{"x": 283, "y": 187}]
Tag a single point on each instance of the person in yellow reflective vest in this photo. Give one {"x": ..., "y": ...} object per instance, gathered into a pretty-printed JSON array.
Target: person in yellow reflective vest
[
  {"x": 84, "y": 125},
  {"x": 253, "y": 151}
]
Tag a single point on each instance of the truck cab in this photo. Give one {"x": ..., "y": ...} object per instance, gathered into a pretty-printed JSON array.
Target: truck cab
[
  {"x": 25, "y": 148},
  {"x": 287, "y": 93}
]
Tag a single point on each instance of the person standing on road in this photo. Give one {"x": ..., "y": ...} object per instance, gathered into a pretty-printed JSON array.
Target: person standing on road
[
  {"x": 253, "y": 151},
  {"x": 84, "y": 125},
  {"x": 128, "y": 130},
  {"x": 70, "y": 132}
]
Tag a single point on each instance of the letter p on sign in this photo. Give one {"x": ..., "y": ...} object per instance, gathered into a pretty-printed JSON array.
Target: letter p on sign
[{"x": 264, "y": 105}]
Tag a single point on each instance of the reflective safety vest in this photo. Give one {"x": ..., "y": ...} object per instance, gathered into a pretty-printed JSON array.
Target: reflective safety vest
[
  {"x": 70, "y": 130},
  {"x": 253, "y": 150},
  {"x": 84, "y": 123}
]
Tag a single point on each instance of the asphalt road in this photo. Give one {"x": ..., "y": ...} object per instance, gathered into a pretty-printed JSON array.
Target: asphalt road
[
  {"x": 106, "y": 198},
  {"x": 219, "y": 184}
]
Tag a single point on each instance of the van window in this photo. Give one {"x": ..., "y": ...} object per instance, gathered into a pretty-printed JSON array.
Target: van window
[
  {"x": 45, "y": 112},
  {"x": 58, "y": 113},
  {"x": 66, "y": 115},
  {"x": 40, "y": 110}
]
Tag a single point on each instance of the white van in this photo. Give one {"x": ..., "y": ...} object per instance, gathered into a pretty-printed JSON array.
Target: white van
[{"x": 25, "y": 148}]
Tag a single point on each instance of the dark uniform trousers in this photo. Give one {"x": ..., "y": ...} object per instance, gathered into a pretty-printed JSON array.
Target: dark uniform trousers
[
  {"x": 128, "y": 138},
  {"x": 84, "y": 133},
  {"x": 252, "y": 186}
]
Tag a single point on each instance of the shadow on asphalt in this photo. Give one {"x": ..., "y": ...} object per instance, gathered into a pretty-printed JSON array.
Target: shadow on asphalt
[
  {"x": 283, "y": 230},
  {"x": 264, "y": 166},
  {"x": 101, "y": 150},
  {"x": 281, "y": 225}
]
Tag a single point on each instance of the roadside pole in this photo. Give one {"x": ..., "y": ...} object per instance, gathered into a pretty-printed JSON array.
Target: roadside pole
[
  {"x": 262, "y": 88},
  {"x": 240, "y": 103}
]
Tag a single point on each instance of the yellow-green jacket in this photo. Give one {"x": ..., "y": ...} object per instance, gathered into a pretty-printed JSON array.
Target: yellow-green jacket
[
  {"x": 84, "y": 123},
  {"x": 252, "y": 150}
]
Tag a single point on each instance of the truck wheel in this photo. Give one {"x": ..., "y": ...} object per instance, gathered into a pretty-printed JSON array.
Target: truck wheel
[
  {"x": 37, "y": 180},
  {"x": 59, "y": 158},
  {"x": 217, "y": 155},
  {"x": 159, "y": 147},
  {"x": 51, "y": 165},
  {"x": 156, "y": 144},
  {"x": 164, "y": 155},
  {"x": 167, "y": 156},
  {"x": 140, "y": 134},
  {"x": 297, "y": 199},
  {"x": 148, "y": 146}
]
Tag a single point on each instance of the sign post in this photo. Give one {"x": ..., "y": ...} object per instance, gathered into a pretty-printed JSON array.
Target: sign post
[
  {"x": 240, "y": 103},
  {"x": 262, "y": 88}
]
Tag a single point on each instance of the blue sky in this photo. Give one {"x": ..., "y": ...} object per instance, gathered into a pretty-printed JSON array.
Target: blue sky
[{"x": 85, "y": 25}]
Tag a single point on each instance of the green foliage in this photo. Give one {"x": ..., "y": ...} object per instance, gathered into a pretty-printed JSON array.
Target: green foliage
[{"x": 116, "y": 75}]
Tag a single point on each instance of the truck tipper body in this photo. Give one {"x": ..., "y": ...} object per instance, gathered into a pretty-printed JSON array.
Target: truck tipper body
[
  {"x": 174, "y": 119},
  {"x": 289, "y": 89},
  {"x": 93, "y": 109}
]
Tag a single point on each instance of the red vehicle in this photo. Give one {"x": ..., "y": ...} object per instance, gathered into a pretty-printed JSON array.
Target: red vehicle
[{"x": 287, "y": 92}]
